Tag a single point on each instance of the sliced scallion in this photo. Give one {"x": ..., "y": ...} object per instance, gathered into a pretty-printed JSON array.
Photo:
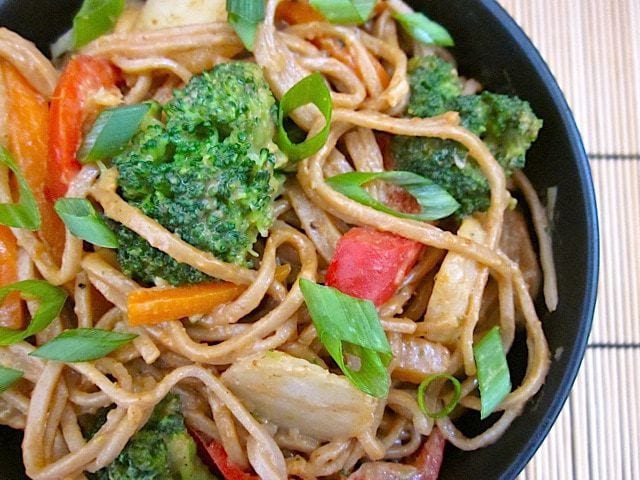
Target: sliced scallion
[
  {"x": 83, "y": 221},
  {"x": 245, "y": 16},
  {"x": 350, "y": 326},
  {"x": 494, "y": 380},
  {"x": 311, "y": 89},
  {"x": 95, "y": 18},
  {"x": 423, "y": 29},
  {"x": 448, "y": 408},
  {"x": 353, "y": 12},
  {"x": 82, "y": 345},
  {"x": 51, "y": 301},
  {"x": 25, "y": 213},
  {"x": 112, "y": 131},
  {"x": 8, "y": 376},
  {"x": 435, "y": 202}
]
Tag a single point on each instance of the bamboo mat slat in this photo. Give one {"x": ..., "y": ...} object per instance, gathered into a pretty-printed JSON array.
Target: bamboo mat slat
[{"x": 593, "y": 48}]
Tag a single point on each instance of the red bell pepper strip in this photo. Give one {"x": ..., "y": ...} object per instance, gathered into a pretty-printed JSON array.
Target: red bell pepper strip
[
  {"x": 82, "y": 78},
  {"x": 11, "y": 309},
  {"x": 370, "y": 264},
  {"x": 429, "y": 459},
  {"x": 214, "y": 455}
]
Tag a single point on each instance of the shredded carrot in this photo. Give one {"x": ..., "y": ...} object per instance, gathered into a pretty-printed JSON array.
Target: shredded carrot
[
  {"x": 294, "y": 12},
  {"x": 27, "y": 123},
  {"x": 11, "y": 309},
  {"x": 149, "y": 306}
]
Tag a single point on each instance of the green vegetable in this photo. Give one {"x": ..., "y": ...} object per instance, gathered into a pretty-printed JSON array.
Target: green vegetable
[
  {"x": 506, "y": 124},
  {"x": 423, "y": 29},
  {"x": 95, "y": 18},
  {"x": 82, "y": 345},
  {"x": 207, "y": 175},
  {"x": 352, "y": 12},
  {"x": 8, "y": 376},
  {"x": 25, "y": 213},
  {"x": 494, "y": 380},
  {"x": 161, "y": 450},
  {"x": 350, "y": 326},
  {"x": 311, "y": 89},
  {"x": 434, "y": 201},
  {"x": 448, "y": 408},
  {"x": 51, "y": 301},
  {"x": 83, "y": 221},
  {"x": 112, "y": 131},
  {"x": 245, "y": 16}
]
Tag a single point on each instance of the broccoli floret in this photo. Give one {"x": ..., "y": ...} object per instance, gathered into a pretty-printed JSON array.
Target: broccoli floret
[
  {"x": 207, "y": 175},
  {"x": 161, "y": 450},
  {"x": 506, "y": 124}
]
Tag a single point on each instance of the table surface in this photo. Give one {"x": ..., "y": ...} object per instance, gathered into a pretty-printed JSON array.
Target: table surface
[{"x": 593, "y": 48}]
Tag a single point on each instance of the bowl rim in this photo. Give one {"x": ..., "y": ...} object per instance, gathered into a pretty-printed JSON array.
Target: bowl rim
[{"x": 592, "y": 240}]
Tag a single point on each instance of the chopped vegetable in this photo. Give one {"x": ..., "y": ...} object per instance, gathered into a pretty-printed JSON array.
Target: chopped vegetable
[
  {"x": 245, "y": 16},
  {"x": 294, "y": 12},
  {"x": 423, "y": 29},
  {"x": 95, "y": 18},
  {"x": 448, "y": 408},
  {"x": 208, "y": 175},
  {"x": 218, "y": 458},
  {"x": 452, "y": 289},
  {"x": 345, "y": 11},
  {"x": 51, "y": 301},
  {"x": 82, "y": 345},
  {"x": 350, "y": 327},
  {"x": 27, "y": 125},
  {"x": 494, "y": 380},
  {"x": 311, "y": 89},
  {"x": 148, "y": 306},
  {"x": 415, "y": 358},
  {"x": 293, "y": 393},
  {"x": 8, "y": 376},
  {"x": 71, "y": 106},
  {"x": 11, "y": 315},
  {"x": 435, "y": 203},
  {"x": 157, "y": 14},
  {"x": 25, "y": 213},
  {"x": 430, "y": 456},
  {"x": 112, "y": 131},
  {"x": 370, "y": 264},
  {"x": 83, "y": 221}
]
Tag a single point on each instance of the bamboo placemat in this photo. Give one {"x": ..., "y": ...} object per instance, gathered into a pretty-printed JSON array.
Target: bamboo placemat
[{"x": 593, "y": 48}]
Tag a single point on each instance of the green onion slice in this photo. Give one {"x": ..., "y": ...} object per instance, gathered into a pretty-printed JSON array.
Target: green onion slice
[
  {"x": 435, "y": 202},
  {"x": 352, "y": 12},
  {"x": 494, "y": 379},
  {"x": 82, "y": 345},
  {"x": 311, "y": 89},
  {"x": 112, "y": 131},
  {"x": 8, "y": 376},
  {"x": 83, "y": 221},
  {"x": 448, "y": 408},
  {"x": 245, "y": 16},
  {"x": 94, "y": 18},
  {"x": 351, "y": 326},
  {"x": 25, "y": 213},
  {"x": 51, "y": 301},
  {"x": 423, "y": 29}
]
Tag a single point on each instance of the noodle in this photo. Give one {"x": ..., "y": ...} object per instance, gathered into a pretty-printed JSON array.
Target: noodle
[{"x": 369, "y": 91}]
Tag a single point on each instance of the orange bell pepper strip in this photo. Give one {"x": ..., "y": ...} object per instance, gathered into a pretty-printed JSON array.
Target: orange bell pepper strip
[
  {"x": 149, "y": 306},
  {"x": 11, "y": 309},
  {"x": 27, "y": 125},
  {"x": 71, "y": 106},
  {"x": 294, "y": 12}
]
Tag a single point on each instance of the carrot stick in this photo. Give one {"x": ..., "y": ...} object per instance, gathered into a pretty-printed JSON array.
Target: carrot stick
[
  {"x": 11, "y": 309},
  {"x": 294, "y": 12},
  {"x": 149, "y": 306},
  {"x": 27, "y": 123}
]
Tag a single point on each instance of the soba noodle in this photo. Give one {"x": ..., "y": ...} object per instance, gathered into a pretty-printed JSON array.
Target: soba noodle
[{"x": 187, "y": 357}]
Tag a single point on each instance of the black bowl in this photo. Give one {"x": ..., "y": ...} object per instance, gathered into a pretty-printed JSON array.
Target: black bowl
[{"x": 493, "y": 49}]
